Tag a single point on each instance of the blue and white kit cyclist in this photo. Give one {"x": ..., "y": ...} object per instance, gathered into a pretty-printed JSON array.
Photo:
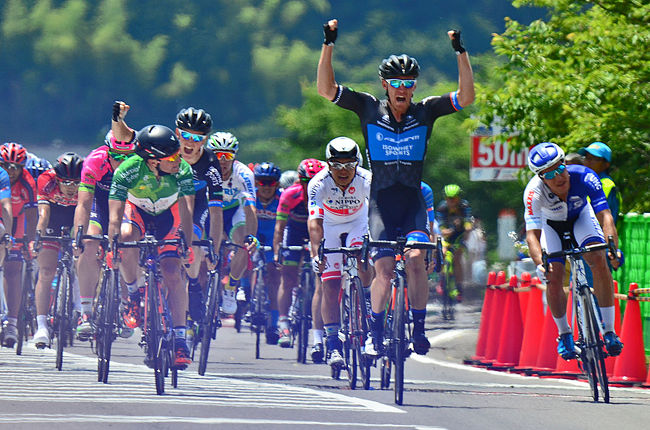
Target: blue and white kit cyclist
[
  {"x": 396, "y": 131},
  {"x": 569, "y": 198}
]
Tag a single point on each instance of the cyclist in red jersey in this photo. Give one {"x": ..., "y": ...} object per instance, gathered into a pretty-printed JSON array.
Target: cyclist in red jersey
[
  {"x": 23, "y": 204},
  {"x": 57, "y": 199}
]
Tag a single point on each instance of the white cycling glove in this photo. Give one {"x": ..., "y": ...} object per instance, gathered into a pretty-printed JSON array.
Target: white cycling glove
[{"x": 541, "y": 273}]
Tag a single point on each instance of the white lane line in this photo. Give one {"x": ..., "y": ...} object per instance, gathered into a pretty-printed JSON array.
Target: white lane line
[
  {"x": 135, "y": 383},
  {"x": 37, "y": 418}
]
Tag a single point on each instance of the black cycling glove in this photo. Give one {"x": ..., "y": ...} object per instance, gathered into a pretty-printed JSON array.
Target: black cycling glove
[
  {"x": 116, "y": 111},
  {"x": 457, "y": 43},
  {"x": 330, "y": 35}
]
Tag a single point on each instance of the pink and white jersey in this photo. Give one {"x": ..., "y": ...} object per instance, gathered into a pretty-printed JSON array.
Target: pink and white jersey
[
  {"x": 328, "y": 202},
  {"x": 97, "y": 171}
]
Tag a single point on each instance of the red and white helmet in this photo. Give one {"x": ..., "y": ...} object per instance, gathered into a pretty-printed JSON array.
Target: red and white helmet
[
  {"x": 309, "y": 167},
  {"x": 12, "y": 152}
]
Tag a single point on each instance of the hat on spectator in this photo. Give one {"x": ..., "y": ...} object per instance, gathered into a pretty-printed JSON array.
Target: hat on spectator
[{"x": 598, "y": 149}]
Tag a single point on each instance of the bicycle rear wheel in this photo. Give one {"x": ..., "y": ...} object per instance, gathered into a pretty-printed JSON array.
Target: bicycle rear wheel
[
  {"x": 208, "y": 324},
  {"x": 399, "y": 341}
]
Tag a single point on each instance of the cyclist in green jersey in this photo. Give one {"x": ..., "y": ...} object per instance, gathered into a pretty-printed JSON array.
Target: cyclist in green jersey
[{"x": 153, "y": 193}]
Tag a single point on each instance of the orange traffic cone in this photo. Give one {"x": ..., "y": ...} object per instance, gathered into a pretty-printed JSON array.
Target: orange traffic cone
[
  {"x": 512, "y": 330},
  {"x": 630, "y": 365},
  {"x": 523, "y": 296},
  {"x": 532, "y": 329},
  {"x": 496, "y": 318},
  {"x": 568, "y": 369},
  {"x": 611, "y": 361},
  {"x": 547, "y": 354},
  {"x": 486, "y": 311}
]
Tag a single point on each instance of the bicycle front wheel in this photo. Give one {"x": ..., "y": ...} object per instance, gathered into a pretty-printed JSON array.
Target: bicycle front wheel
[
  {"x": 358, "y": 329},
  {"x": 208, "y": 324},
  {"x": 110, "y": 316},
  {"x": 24, "y": 315},
  {"x": 61, "y": 316},
  {"x": 399, "y": 341},
  {"x": 595, "y": 349}
]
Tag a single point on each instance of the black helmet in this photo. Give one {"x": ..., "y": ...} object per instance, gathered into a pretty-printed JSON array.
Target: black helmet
[
  {"x": 397, "y": 66},
  {"x": 68, "y": 166},
  {"x": 194, "y": 119},
  {"x": 156, "y": 141}
]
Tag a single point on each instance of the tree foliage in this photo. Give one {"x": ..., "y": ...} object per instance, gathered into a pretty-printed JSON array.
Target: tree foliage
[{"x": 581, "y": 75}]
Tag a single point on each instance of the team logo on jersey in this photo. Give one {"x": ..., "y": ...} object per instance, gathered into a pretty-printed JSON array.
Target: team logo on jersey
[
  {"x": 337, "y": 265},
  {"x": 352, "y": 190}
]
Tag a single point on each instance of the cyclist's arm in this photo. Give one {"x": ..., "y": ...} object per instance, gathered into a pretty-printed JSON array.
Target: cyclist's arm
[
  {"x": 216, "y": 226},
  {"x": 606, "y": 221},
  {"x": 325, "y": 81},
  {"x": 185, "y": 207},
  {"x": 533, "y": 238},
  {"x": 115, "y": 214},
  {"x": 315, "y": 234},
  {"x": 7, "y": 215},
  {"x": 465, "y": 91},
  {"x": 82, "y": 212},
  {"x": 251, "y": 219},
  {"x": 280, "y": 224},
  {"x": 43, "y": 216},
  {"x": 121, "y": 131}
]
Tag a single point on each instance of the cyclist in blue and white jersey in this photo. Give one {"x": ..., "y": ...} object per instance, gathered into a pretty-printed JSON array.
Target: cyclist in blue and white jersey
[
  {"x": 396, "y": 131},
  {"x": 338, "y": 203},
  {"x": 267, "y": 180},
  {"x": 239, "y": 218},
  {"x": 556, "y": 202}
]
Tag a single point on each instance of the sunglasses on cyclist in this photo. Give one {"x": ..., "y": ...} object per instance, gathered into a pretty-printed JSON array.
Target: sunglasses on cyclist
[
  {"x": 173, "y": 157},
  {"x": 69, "y": 182},
  {"x": 395, "y": 83},
  {"x": 12, "y": 166},
  {"x": 191, "y": 136},
  {"x": 266, "y": 183},
  {"x": 335, "y": 165},
  {"x": 228, "y": 156},
  {"x": 553, "y": 173},
  {"x": 118, "y": 157}
]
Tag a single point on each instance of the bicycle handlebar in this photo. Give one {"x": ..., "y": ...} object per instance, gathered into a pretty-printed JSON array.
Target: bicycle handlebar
[{"x": 610, "y": 245}]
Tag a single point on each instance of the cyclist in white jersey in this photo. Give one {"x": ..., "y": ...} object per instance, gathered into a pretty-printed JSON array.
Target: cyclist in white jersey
[
  {"x": 239, "y": 217},
  {"x": 338, "y": 203}
]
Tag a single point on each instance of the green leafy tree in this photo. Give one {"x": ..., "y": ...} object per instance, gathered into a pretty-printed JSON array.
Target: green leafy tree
[{"x": 579, "y": 76}]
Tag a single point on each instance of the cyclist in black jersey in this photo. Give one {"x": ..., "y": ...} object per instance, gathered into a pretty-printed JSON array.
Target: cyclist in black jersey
[{"x": 396, "y": 131}]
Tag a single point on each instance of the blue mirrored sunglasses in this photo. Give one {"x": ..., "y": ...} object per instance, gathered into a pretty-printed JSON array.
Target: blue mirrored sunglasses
[
  {"x": 553, "y": 173},
  {"x": 191, "y": 136},
  {"x": 395, "y": 83}
]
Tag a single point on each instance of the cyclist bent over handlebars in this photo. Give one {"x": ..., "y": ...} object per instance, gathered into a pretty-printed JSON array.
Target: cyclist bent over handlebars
[{"x": 153, "y": 193}]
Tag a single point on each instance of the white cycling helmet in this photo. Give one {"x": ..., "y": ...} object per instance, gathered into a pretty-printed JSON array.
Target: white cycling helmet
[
  {"x": 222, "y": 141},
  {"x": 543, "y": 156},
  {"x": 343, "y": 147}
]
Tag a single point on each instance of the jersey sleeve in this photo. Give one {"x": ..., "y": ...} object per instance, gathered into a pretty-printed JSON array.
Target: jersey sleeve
[
  {"x": 349, "y": 99},
  {"x": 91, "y": 171},
  {"x": 215, "y": 185},
  {"x": 442, "y": 105},
  {"x": 124, "y": 178},
  {"x": 30, "y": 188},
  {"x": 185, "y": 180},
  {"x": 595, "y": 191},
  {"x": 5, "y": 185},
  {"x": 532, "y": 207},
  {"x": 287, "y": 203},
  {"x": 427, "y": 193},
  {"x": 315, "y": 202}
]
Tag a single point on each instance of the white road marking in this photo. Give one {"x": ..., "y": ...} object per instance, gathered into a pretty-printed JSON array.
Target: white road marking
[{"x": 32, "y": 378}]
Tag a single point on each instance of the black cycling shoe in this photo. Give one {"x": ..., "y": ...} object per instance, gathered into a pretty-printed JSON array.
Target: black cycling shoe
[
  {"x": 317, "y": 353},
  {"x": 272, "y": 336},
  {"x": 420, "y": 344}
]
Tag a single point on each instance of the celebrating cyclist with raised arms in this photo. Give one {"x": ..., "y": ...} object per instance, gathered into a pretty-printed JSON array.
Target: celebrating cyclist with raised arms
[
  {"x": 25, "y": 215},
  {"x": 153, "y": 193},
  {"x": 556, "y": 202},
  {"x": 57, "y": 199},
  {"x": 91, "y": 215},
  {"x": 239, "y": 218},
  {"x": 338, "y": 203},
  {"x": 396, "y": 131},
  {"x": 192, "y": 129}
]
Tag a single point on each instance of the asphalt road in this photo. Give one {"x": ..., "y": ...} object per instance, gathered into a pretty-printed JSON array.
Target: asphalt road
[{"x": 275, "y": 392}]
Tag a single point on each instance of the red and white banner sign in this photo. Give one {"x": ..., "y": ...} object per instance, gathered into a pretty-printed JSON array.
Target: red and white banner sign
[{"x": 495, "y": 161}]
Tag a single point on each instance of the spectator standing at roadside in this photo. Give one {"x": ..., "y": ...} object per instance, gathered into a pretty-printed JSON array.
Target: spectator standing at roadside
[{"x": 598, "y": 157}]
